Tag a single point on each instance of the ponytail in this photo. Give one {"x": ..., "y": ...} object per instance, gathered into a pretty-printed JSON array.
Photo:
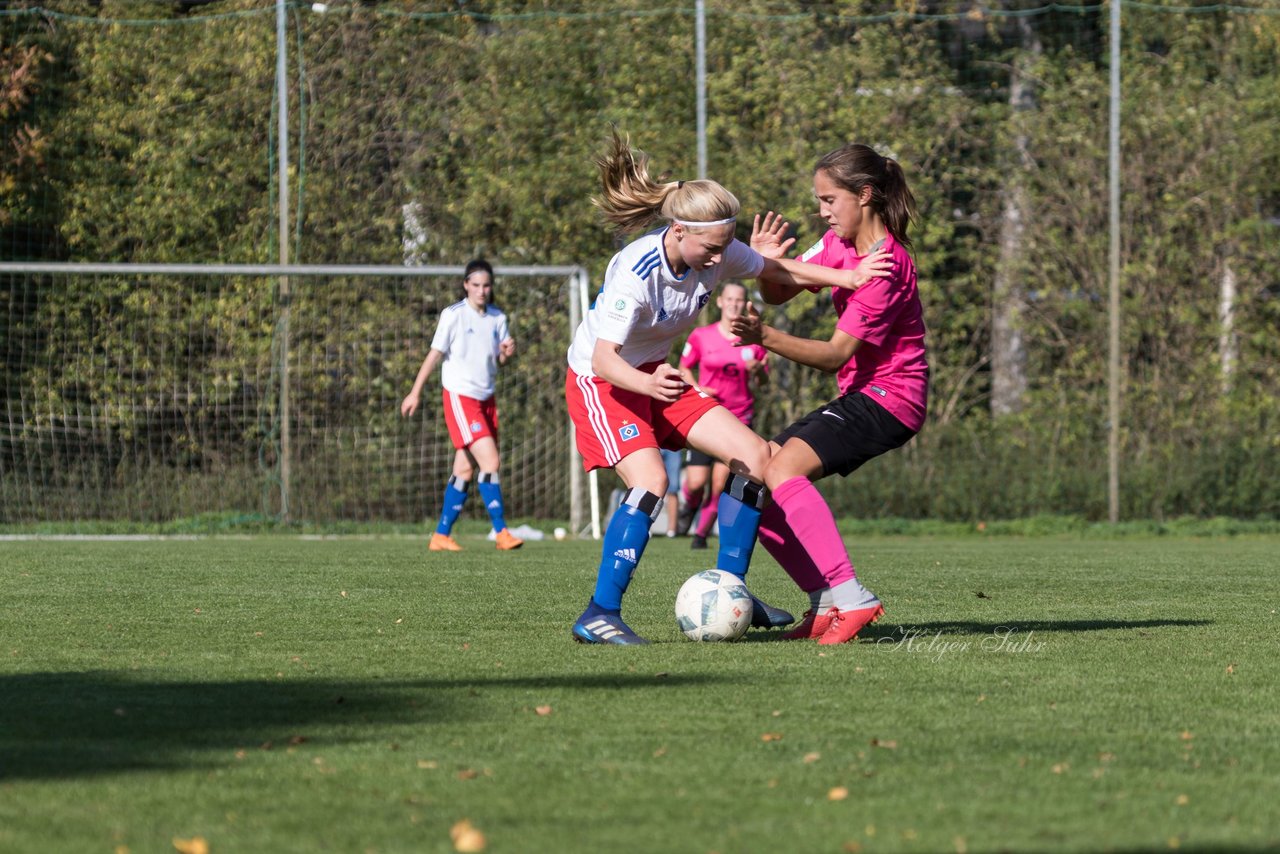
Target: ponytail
[
  {"x": 854, "y": 167},
  {"x": 630, "y": 199},
  {"x": 899, "y": 204}
]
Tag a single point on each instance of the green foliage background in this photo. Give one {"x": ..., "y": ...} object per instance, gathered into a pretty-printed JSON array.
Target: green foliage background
[{"x": 156, "y": 129}]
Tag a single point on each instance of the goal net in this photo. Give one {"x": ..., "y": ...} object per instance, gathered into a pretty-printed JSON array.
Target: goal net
[{"x": 152, "y": 393}]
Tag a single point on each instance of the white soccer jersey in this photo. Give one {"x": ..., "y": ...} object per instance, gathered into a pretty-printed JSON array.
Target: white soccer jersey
[
  {"x": 645, "y": 307},
  {"x": 469, "y": 341}
]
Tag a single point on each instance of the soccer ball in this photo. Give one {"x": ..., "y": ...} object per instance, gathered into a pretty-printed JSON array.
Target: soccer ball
[{"x": 713, "y": 606}]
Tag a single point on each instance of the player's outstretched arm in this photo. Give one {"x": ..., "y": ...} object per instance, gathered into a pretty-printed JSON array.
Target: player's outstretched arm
[
  {"x": 411, "y": 402},
  {"x": 768, "y": 237},
  {"x": 826, "y": 356}
]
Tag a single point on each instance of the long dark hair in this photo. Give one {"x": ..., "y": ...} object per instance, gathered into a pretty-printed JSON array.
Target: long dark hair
[
  {"x": 855, "y": 166},
  {"x": 474, "y": 265}
]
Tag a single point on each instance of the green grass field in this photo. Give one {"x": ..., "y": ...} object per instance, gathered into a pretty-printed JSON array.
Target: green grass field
[{"x": 277, "y": 694}]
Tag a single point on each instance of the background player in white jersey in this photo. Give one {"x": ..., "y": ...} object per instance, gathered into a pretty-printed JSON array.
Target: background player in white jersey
[
  {"x": 626, "y": 401},
  {"x": 472, "y": 339}
]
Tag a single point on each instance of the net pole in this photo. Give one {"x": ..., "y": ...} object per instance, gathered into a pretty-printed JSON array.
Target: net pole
[
  {"x": 1113, "y": 277},
  {"x": 282, "y": 95},
  {"x": 701, "y": 49}
]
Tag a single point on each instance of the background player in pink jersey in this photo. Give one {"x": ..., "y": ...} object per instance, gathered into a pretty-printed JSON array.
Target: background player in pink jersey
[
  {"x": 626, "y": 401},
  {"x": 472, "y": 339},
  {"x": 878, "y": 355},
  {"x": 729, "y": 374}
]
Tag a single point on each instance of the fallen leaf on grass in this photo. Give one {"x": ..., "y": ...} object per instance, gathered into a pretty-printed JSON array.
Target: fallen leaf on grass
[
  {"x": 194, "y": 845},
  {"x": 428, "y": 764},
  {"x": 543, "y": 710},
  {"x": 1231, "y": 668},
  {"x": 810, "y": 758},
  {"x": 466, "y": 837},
  {"x": 887, "y": 744},
  {"x": 771, "y": 736},
  {"x": 1182, "y": 800},
  {"x": 839, "y": 793},
  {"x": 468, "y": 774},
  {"x": 660, "y": 752}
]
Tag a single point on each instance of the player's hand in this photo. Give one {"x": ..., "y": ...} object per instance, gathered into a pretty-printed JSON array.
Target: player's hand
[
  {"x": 409, "y": 405},
  {"x": 767, "y": 236},
  {"x": 748, "y": 327},
  {"x": 874, "y": 266},
  {"x": 666, "y": 384},
  {"x": 507, "y": 348}
]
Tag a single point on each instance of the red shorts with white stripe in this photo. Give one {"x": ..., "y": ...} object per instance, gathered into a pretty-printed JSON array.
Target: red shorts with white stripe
[
  {"x": 470, "y": 419},
  {"x": 612, "y": 423}
]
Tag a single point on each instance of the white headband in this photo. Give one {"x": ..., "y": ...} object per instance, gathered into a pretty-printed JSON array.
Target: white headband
[{"x": 688, "y": 224}]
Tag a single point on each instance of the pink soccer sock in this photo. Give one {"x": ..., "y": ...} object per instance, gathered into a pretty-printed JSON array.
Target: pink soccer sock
[
  {"x": 693, "y": 500},
  {"x": 707, "y": 519},
  {"x": 781, "y": 542},
  {"x": 813, "y": 525}
]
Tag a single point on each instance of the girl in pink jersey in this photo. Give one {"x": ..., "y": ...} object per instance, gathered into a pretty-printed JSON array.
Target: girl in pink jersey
[
  {"x": 729, "y": 373},
  {"x": 626, "y": 401},
  {"x": 877, "y": 353}
]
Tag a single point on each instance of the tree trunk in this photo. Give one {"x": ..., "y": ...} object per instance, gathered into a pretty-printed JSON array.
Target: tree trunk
[
  {"x": 1009, "y": 293},
  {"x": 1228, "y": 341}
]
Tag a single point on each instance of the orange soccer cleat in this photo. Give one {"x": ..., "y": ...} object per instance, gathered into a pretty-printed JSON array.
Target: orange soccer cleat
[
  {"x": 508, "y": 541},
  {"x": 845, "y": 625},
  {"x": 443, "y": 543}
]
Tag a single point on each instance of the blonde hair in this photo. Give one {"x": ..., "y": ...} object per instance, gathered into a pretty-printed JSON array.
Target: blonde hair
[{"x": 631, "y": 200}]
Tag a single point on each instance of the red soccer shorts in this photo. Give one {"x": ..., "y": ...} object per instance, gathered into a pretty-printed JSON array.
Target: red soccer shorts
[
  {"x": 470, "y": 419},
  {"x": 612, "y": 423}
]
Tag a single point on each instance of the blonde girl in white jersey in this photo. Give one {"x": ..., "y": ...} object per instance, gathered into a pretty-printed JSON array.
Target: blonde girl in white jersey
[{"x": 627, "y": 401}]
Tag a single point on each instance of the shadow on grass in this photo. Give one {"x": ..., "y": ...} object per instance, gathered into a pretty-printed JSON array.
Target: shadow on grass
[
  {"x": 877, "y": 631},
  {"x": 1022, "y": 627},
  {"x": 101, "y": 722}
]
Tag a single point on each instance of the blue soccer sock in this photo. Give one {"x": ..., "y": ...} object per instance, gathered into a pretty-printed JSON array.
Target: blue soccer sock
[
  {"x": 491, "y": 495},
  {"x": 624, "y": 542},
  {"x": 739, "y": 509},
  {"x": 455, "y": 495}
]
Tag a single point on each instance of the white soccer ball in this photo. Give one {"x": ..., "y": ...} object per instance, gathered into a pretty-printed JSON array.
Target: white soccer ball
[
  {"x": 560, "y": 533},
  {"x": 713, "y": 606}
]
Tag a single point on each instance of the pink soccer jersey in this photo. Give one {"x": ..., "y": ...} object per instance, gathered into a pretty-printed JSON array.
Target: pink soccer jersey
[
  {"x": 886, "y": 315},
  {"x": 723, "y": 368}
]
